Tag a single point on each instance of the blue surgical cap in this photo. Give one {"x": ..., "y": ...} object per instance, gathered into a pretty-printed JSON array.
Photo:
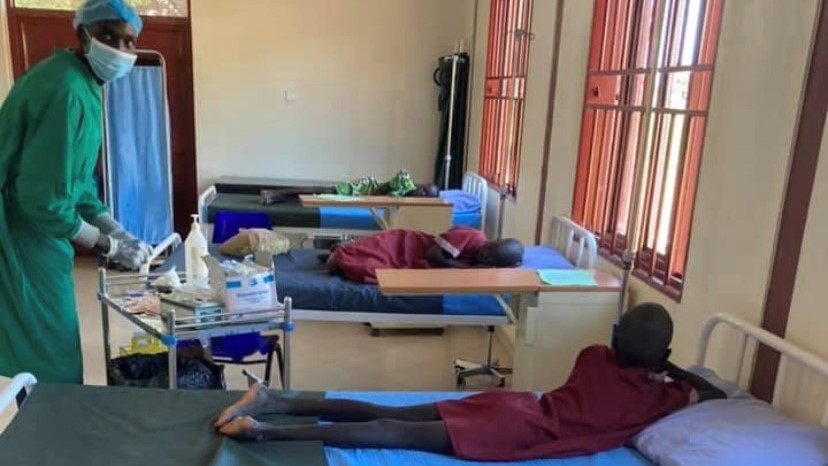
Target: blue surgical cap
[{"x": 93, "y": 11}]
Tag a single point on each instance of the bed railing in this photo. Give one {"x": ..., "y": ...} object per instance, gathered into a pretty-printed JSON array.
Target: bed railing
[
  {"x": 17, "y": 390},
  {"x": 574, "y": 241},
  {"x": 477, "y": 185},
  {"x": 788, "y": 352}
]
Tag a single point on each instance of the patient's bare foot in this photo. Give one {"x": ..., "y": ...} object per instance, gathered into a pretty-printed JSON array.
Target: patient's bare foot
[
  {"x": 254, "y": 402},
  {"x": 242, "y": 428}
]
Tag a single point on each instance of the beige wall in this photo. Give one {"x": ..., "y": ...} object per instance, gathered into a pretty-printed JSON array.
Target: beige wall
[
  {"x": 361, "y": 71},
  {"x": 5, "y": 54},
  {"x": 756, "y": 91},
  {"x": 808, "y": 321}
]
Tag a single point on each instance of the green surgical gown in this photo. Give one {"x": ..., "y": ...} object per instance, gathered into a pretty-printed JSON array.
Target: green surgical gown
[{"x": 50, "y": 137}]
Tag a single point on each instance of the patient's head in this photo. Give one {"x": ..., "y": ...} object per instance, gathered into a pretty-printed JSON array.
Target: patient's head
[
  {"x": 643, "y": 337},
  {"x": 501, "y": 253},
  {"x": 426, "y": 190}
]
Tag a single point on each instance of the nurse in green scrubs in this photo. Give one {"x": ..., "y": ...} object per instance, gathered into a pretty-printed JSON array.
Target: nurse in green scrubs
[{"x": 50, "y": 137}]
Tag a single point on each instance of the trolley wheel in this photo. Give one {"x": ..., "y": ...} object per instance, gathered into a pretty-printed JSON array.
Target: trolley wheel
[
  {"x": 501, "y": 383},
  {"x": 461, "y": 383},
  {"x": 375, "y": 332}
]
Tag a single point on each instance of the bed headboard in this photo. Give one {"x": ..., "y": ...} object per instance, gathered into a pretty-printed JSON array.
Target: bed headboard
[
  {"x": 574, "y": 241},
  {"x": 748, "y": 332},
  {"x": 477, "y": 185}
]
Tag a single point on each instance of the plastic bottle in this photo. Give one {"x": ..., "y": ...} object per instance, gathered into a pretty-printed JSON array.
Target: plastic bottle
[{"x": 195, "y": 247}]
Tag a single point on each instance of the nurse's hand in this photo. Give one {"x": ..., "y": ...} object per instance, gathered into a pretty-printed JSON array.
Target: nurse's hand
[{"x": 128, "y": 250}]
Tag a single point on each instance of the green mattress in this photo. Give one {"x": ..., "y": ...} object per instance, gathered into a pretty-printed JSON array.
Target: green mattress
[{"x": 143, "y": 427}]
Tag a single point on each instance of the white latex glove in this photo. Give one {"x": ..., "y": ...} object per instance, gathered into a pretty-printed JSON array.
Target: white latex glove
[{"x": 127, "y": 250}]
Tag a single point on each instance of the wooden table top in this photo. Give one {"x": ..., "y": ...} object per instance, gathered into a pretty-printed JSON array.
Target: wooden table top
[
  {"x": 479, "y": 281},
  {"x": 374, "y": 201}
]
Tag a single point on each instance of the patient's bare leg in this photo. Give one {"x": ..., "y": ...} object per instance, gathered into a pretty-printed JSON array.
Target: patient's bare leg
[
  {"x": 429, "y": 436},
  {"x": 260, "y": 400}
]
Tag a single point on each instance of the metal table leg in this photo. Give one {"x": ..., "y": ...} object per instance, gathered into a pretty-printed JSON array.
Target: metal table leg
[
  {"x": 168, "y": 318},
  {"x": 104, "y": 321},
  {"x": 287, "y": 330}
]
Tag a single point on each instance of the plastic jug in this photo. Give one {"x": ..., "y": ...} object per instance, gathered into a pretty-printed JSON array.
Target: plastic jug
[{"x": 195, "y": 247}]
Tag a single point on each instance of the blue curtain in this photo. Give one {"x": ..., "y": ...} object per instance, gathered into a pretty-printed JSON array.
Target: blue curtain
[{"x": 138, "y": 154}]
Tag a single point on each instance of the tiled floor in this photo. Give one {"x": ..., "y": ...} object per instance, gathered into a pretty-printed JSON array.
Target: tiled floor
[{"x": 326, "y": 356}]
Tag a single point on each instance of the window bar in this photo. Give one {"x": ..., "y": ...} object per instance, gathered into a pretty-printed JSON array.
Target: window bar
[
  {"x": 596, "y": 37},
  {"x": 609, "y": 34},
  {"x": 659, "y": 212},
  {"x": 649, "y": 190},
  {"x": 613, "y": 163},
  {"x": 669, "y": 28},
  {"x": 682, "y": 12},
  {"x": 701, "y": 27},
  {"x": 618, "y": 35},
  {"x": 679, "y": 199},
  {"x": 685, "y": 29},
  {"x": 710, "y": 34},
  {"x": 594, "y": 166},
  {"x": 628, "y": 257},
  {"x": 620, "y": 176},
  {"x": 603, "y": 170},
  {"x": 629, "y": 32}
]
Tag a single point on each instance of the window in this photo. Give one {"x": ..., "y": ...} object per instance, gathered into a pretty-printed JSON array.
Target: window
[
  {"x": 650, "y": 105},
  {"x": 507, "y": 60},
  {"x": 145, "y": 7}
]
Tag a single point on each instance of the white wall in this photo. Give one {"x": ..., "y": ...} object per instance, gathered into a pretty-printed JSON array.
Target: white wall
[
  {"x": 5, "y": 54},
  {"x": 361, "y": 71},
  {"x": 757, "y": 87}
]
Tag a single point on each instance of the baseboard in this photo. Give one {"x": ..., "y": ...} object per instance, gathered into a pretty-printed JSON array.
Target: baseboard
[{"x": 505, "y": 337}]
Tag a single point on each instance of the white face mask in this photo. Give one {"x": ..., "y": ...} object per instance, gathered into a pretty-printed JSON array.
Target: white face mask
[{"x": 107, "y": 62}]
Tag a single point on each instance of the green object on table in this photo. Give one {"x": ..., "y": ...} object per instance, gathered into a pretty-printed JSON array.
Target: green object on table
[
  {"x": 564, "y": 277},
  {"x": 72, "y": 424},
  {"x": 337, "y": 197}
]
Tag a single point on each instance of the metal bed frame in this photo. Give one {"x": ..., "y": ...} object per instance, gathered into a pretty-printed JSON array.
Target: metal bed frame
[
  {"x": 181, "y": 324},
  {"x": 472, "y": 183}
]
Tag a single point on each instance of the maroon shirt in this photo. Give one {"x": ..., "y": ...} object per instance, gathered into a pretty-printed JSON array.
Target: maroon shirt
[
  {"x": 404, "y": 249},
  {"x": 600, "y": 407}
]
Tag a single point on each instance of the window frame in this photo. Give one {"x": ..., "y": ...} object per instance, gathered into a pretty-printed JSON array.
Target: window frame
[
  {"x": 665, "y": 270},
  {"x": 504, "y": 93}
]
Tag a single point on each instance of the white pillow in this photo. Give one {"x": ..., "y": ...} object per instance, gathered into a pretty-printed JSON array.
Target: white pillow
[{"x": 732, "y": 432}]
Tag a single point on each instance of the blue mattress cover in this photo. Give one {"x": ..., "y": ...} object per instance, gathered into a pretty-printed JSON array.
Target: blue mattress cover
[
  {"x": 375, "y": 457},
  {"x": 359, "y": 218},
  {"x": 302, "y": 276}
]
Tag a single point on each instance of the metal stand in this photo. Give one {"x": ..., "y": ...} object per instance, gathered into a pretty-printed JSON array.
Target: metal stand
[
  {"x": 464, "y": 369},
  {"x": 447, "y": 173},
  {"x": 501, "y": 214}
]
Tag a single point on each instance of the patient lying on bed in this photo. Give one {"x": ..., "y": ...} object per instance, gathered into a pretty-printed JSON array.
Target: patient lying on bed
[
  {"x": 400, "y": 185},
  {"x": 611, "y": 395},
  {"x": 460, "y": 247}
]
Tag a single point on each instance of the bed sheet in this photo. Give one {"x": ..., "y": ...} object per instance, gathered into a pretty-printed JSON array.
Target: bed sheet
[
  {"x": 302, "y": 276},
  {"x": 375, "y": 457}
]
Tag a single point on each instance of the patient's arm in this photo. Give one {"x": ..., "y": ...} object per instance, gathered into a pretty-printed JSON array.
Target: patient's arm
[
  {"x": 706, "y": 390},
  {"x": 438, "y": 257}
]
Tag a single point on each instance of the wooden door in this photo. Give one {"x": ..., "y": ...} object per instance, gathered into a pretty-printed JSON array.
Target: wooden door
[{"x": 35, "y": 34}]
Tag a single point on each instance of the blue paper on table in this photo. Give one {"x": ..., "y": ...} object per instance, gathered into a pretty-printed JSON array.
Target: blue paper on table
[{"x": 559, "y": 277}]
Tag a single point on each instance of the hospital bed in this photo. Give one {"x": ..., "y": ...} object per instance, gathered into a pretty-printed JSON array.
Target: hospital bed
[
  {"x": 91, "y": 425},
  {"x": 232, "y": 194},
  {"x": 319, "y": 296}
]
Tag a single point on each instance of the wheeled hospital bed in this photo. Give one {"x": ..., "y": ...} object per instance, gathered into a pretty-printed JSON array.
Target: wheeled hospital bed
[
  {"x": 318, "y": 295},
  {"x": 113, "y": 425},
  {"x": 242, "y": 195}
]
